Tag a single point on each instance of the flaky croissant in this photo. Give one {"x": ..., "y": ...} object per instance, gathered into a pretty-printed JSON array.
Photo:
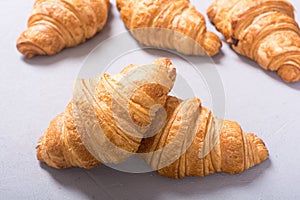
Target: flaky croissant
[
  {"x": 172, "y": 24},
  {"x": 57, "y": 24},
  {"x": 263, "y": 30},
  {"x": 196, "y": 143},
  {"x": 94, "y": 127},
  {"x": 191, "y": 142}
]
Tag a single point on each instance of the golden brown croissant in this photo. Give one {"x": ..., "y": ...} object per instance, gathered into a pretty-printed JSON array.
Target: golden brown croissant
[
  {"x": 263, "y": 30},
  {"x": 192, "y": 142},
  {"x": 94, "y": 127},
  {"x": 196, "y": 143},
  {"x": 172, "y": 24},
  {"x": 57, "y": 24}
]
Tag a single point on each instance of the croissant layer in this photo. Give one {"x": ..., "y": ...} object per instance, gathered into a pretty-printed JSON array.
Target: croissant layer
[
  {"x": 57, "y": 24},
  {"x": 105, "y": 119},
  {"x": 263, "y": 30},
  {"x": 169, "y": 24},
  {"x": 111, "y": 118},
  {"x": 196, "y": 143}
]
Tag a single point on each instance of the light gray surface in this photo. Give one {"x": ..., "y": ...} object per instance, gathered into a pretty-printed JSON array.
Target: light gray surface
[{"x": 34, "y": 91}]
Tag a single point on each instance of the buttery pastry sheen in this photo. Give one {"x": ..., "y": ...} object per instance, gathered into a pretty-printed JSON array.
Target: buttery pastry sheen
[
  {"x": 192, "y": 142},
  {"x": 69, "y": 142},
  {"x": 198, "y": 144},
  {"x": 263, "y": 30},
  {"x": 172, "y": 24},
  {"x": 57, "y": 24}
]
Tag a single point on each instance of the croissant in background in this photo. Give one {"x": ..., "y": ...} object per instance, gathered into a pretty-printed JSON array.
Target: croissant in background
[
  {"x": 191, "y": 142},
  {"x": 172, "y": 24},
  {"x": 57, "y": 24},
  {"x": 263, "y": 30}
]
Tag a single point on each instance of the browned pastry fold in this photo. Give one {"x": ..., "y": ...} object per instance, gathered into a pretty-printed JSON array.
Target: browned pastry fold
[
  {"x": 191, "y": 141},
  {"x": 196, "y": 143},
  {"x": 57, "y": 24},
  {"x": 169, "y": 24},
  {"x": 263, "y": 30},
  {"x": 72, "y": 137}
]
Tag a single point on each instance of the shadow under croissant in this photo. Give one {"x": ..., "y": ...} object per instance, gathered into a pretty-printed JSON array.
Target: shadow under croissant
[
  {"x": 218, "y": 58},
  {"x": 81, "y": 50},
  {"x": 271, "y": 74},
  {"x": 106, "y": 183},
  {"x": 192, "y": 60}
]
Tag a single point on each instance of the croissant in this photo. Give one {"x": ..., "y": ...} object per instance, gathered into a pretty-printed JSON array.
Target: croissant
[
  {"x": 196, "y": 143},
  {"x": 191, "y": 142},
  {"x": 57, "y": 24},
  {"x": 263, "y": 30},
  {"x": 169, "y": 24},
  {"x": 94, "y": 128}
]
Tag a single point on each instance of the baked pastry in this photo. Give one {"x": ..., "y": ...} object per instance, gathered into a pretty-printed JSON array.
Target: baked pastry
[
  {"x": 192, "y": 142},
  {"x": 169, "y": 24},
  {"x": 94, "y": 127},
  {"x": 57, "y": 24},
  {"x": 196, "y": 143},
  {"x": 263, "y": 30}
]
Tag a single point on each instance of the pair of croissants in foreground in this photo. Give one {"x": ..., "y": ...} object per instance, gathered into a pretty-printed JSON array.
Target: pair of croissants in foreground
[
  {"x": 263, "y": 30},
  {"x": 111, "y": 118}
]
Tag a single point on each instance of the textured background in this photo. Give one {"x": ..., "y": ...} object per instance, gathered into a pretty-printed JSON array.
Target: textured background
[{"x": 34, "y": 91}]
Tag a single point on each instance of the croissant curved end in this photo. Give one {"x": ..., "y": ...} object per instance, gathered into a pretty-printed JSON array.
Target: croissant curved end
[
  {"x": 53, "y": 156},
  {"x": 171, "y": 68},
  {"x": 38, "y": 40},
  {"x": 289, "y": 73},
  {"x": 44, "y": 157},
  {"x": 28, "y": 48},
  {"x": 260, "y": 147},
  {"x": 211, "y": 11},
  {"x": 211, "y": 43}
]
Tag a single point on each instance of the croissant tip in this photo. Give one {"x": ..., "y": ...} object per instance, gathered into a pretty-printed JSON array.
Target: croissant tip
[
  {"x": 289, "y": 73},
  {"x": 172, "y": 72},
  {"x": 211, "y": 44},
  {"x": 26, "y": 49},
  {"x": 261, "y": 149},
  {"x": 39, "y": 150},
  {"x": 164, "y": 61}
]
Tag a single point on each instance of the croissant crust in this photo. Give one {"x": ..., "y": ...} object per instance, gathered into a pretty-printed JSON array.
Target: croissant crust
[
  {"x": 57, "y": 24},
  {"x": 263, "y": 30},
  {"x": 169, "y": 24}
]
